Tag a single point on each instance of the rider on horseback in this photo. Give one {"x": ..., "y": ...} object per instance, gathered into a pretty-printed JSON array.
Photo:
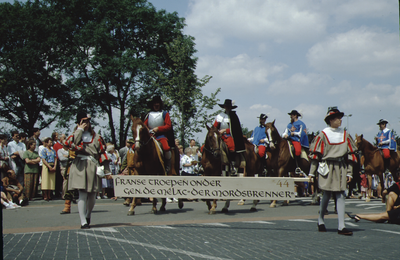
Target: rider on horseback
[
  {"x": 386, "y": 142},
  {"x": 296, "y": 130},
  {"x": 259, "y": 138},
  {"x": 230, "y": 129},
  {"x": 159, "y": 122}
]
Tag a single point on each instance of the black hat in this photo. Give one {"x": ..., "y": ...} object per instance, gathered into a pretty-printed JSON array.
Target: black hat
[
  {"x": 156, "y": 99},
  {"x": 228, "y": 103},
  {"x": 332, "y": 111},
  {"x": 263, "y": 116},
  {"x": 82, "y": 115},
  {"x": 294, "y": 112},
  {"x": 382, "y": 121}
]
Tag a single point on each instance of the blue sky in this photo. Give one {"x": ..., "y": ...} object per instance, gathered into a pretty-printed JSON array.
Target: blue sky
[{"x": 273, "y": 56}]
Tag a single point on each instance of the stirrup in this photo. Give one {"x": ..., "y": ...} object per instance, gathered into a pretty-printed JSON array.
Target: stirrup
[{"x": 299, "y": 171}]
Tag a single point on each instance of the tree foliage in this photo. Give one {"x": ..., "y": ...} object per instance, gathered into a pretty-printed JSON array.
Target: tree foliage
[
  {"x": 103, "y": 56},
  {"x": 32, "y": 57},
  {"x": 183, "y": 89}
]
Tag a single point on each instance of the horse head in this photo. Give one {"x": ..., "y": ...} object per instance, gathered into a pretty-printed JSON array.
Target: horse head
[
  {"x": 359, "y": 142},
  {"x": 140, "y": 132},
  {"x": 212, "y": 143},
  {"x": 272, "y": 134}
]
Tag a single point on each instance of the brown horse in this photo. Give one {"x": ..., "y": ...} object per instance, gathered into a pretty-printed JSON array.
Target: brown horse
[
  {"x": 212, "y": 160},
  {"x": 281, "y": 158},
  {"x": 148, "y": 161},
  {"x": 373, "y": 161}
]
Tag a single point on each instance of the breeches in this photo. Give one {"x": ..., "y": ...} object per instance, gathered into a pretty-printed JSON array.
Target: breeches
[
  {"x": 229, "y": 142},
  {"x": 386, "y": 153},
  {"x": 164, "y": 144},
  {"x": 261, "y": 151},
  {"x": 297, "y": 148}
]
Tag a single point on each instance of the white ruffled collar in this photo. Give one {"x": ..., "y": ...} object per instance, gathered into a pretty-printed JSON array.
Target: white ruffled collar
[{"x": 334, "y": 135}]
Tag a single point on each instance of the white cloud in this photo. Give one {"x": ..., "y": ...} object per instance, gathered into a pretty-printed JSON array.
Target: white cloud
[
  {"x": 240, "y": 72},
  {"x": 363, "y": 51},
  {"x": 213, "y": 22},
  {"x": 299, "y": 83}
]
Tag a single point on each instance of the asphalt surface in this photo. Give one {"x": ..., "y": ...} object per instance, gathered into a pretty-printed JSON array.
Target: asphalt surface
[{"x": 38, "y": 231}]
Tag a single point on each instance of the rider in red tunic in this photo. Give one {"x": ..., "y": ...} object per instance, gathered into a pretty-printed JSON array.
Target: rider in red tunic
[{"x": 159, "y": 122}]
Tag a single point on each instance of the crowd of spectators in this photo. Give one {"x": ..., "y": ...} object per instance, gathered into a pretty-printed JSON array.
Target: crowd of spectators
[{"x": 36, "y": 167}]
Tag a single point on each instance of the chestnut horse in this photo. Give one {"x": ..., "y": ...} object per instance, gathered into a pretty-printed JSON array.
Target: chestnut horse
[
  {"x": 373, "y": 161},
  {"x": 281, "y": 159},
  {"x": 147, "y": 160},
  {"x": 212, "y": 163}
]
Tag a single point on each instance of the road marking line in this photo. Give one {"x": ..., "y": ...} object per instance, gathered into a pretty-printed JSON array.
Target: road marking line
[
  {"x": 162, "y": 226},
  {"x": 153, "y": 246},
  {"x": 373, "y": 207},
  {"x": 387, "y": 231},
  {"x": 303, "y": 220},
  {"x": 109, "y": 229},
  {"x": 260, "y": 222},
  {"x": 215, "y": 224},
  {"x": 351, "y": 224}
]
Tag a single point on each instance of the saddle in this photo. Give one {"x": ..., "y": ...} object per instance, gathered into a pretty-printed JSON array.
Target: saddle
[{"x": 303, "y": 154}]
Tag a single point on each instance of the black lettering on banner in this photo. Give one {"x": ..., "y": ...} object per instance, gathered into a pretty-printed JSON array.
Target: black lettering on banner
[
  {"x": 207, "y": 193},
  {"x": 288, "y": 194},
  {"x": 236, "y": 193},
  {"x": 148, "y": 191},
  {"x": 194, "y": 192},
  {"x": 231, "y": 193},
  {"x": 218, "y": 183},
  {"x": 225, "y": 193},
  {"x": 255, "y": 195},
  {"x": 214, "y": 193},
  {"x": 118, "y": 180}
]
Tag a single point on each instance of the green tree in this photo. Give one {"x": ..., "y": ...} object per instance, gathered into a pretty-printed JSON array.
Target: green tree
[
  {"x": 183, "y": 90},
  {"x": 120, "y": 45},
  {"x": 31, "y": 63}
]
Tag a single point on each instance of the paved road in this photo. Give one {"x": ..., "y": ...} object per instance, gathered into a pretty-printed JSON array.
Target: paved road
[{"x": 38, "y": 231}]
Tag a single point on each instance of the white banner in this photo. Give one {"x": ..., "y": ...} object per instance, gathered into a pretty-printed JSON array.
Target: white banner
[{"x": 202, "y": 187}]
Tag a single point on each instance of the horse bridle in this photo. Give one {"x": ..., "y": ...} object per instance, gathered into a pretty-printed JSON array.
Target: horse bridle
[{"x": 213, "y": 151}]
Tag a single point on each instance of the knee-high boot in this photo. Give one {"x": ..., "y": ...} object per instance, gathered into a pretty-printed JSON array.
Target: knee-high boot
[{"x": 67, "y": 207}]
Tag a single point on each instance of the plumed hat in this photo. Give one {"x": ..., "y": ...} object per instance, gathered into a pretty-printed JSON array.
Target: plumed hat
[
  {"x": 228, "y": 103},
  {"x": 156, "y": 99},
  {"x": 382, "y": 121},
  {"x": 82, "y": 115},
  {"x": 263, "y": 116},
  {"x": 332, "y": 111}
]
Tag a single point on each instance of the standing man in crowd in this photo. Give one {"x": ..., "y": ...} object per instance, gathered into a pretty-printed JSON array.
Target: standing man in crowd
[
  {"x": 332, "y": 156},
  {"x": 296, "y": 131},
  {"x": 16, "y": 150},
  {"x": 229, "y": 127},
  {"x": 386, "y": 142},
  {"x": 4, "y": 157},
  {"x": 35, "y": 137}
]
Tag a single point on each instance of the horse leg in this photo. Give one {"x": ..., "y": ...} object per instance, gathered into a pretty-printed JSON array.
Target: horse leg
[
  {"x": 208, "y": 203},
  {"x": 285, "y": 203},
  {"x": 163, "y": 203},
  {"x": 369, "y": 177},
  {"x": 131, "y": 211},
  {"x": 241, "y": 202},
  {"x": 225, "y": 208},
  {"x": 180, "y": 203},
  {"x": 253, "y": 208},
  {"x": 213, "y": 207},
  {"x": 273, "y": 204},
  {"x": 154, "y": 208}
]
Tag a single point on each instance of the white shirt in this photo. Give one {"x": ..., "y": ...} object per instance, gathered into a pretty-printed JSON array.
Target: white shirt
[{"x": 187, "y": 160}]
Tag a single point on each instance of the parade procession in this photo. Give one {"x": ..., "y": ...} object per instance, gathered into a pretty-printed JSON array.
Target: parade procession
[{"x": 224, "y": 129}]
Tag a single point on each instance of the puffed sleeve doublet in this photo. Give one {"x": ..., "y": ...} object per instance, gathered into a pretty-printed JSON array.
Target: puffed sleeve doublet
[
  {"x": 336, "y": 148},
  {"x": 83, "y": 170}
]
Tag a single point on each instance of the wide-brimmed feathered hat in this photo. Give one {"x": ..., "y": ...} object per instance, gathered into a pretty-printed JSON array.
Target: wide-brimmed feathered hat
[
  {"x": 382, "y": 121},
  {"x": 332, "y": 111},
  {"x": 263, "y": 116},
  {"x": 228, "y": 103},
  {"x": 82, "y": 115},
  {"x": 156, "y": 99},
  {"x": 294, "y": 112}
]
